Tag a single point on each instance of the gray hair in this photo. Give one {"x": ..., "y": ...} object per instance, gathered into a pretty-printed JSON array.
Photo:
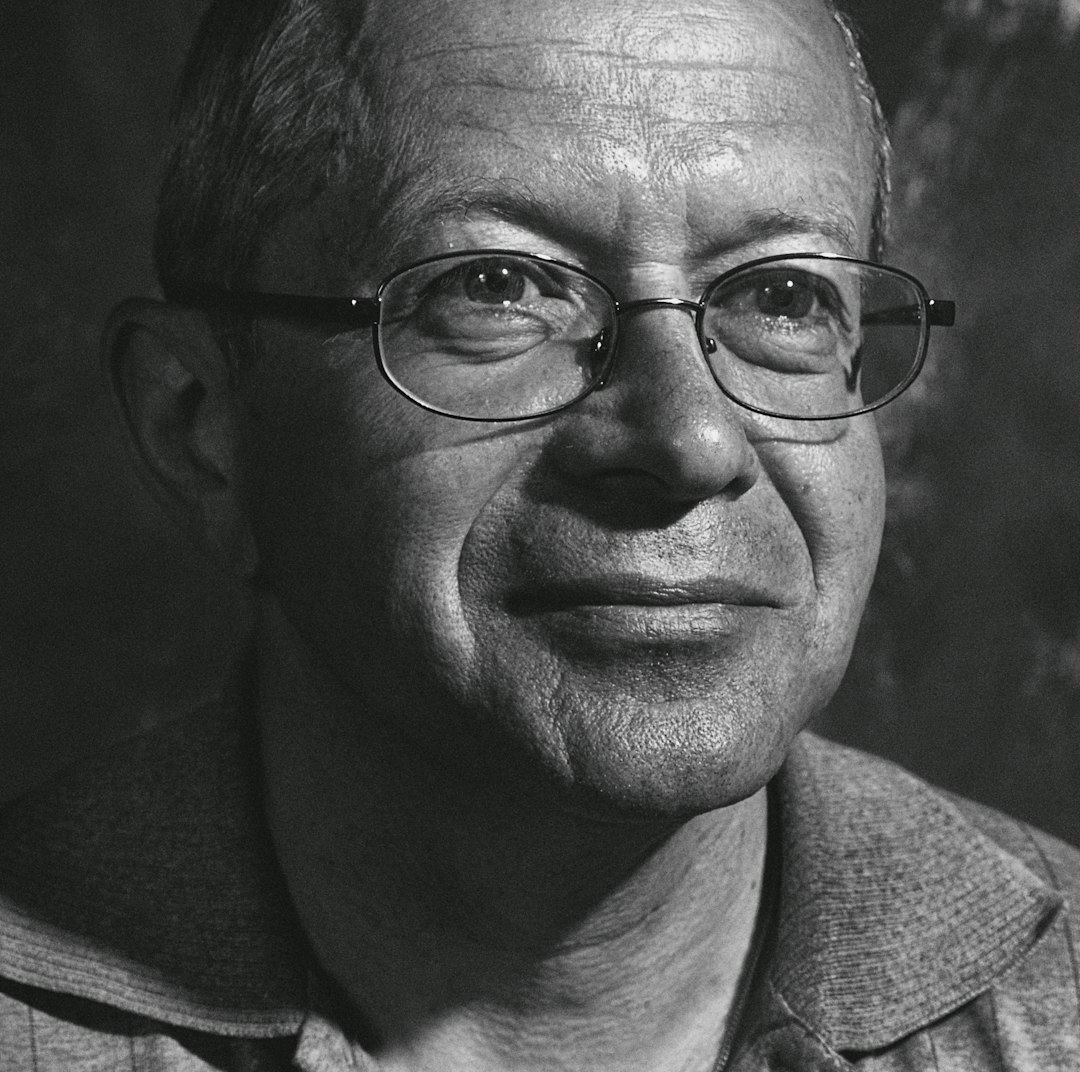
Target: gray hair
[
  {"x": 277, "y": 102},
  {"x": 879, "y": 133}
]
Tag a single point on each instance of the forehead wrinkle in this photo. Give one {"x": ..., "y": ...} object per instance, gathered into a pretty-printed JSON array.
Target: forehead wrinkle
[
  {"x": 660, "y": 120},
  {"x": 619, "y": 91},
  {"x": 630, "y": 77},
  {"x": 628, "y": 95},
  {"x": 581, "y": 72},
  {"x": 634, "y": 42},
  {"x": 626, "y": 60}
]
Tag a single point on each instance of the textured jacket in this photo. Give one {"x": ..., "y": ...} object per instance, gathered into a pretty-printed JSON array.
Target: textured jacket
[{"x": 144, "y": 926}]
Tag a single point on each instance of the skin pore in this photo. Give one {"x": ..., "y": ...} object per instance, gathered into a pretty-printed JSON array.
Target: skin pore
[{"x": 528, "y": 682}]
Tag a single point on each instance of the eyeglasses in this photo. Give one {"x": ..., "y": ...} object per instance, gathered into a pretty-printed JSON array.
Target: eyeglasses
[{"x": 500, "y": 335}]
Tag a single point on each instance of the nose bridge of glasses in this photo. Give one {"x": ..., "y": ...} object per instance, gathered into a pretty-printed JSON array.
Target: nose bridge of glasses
[{"x": 692, "y": 307}]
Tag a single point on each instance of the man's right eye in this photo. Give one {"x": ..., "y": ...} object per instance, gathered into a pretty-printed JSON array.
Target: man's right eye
[
  {"x": 494, "y": 282},
  {"x": 486, "y": 298},
  {"x": 489, "y": 281}
]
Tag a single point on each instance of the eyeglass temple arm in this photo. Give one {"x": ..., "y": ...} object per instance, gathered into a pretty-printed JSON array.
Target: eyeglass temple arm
[
  {"x": 940, "y": 314},
  {"x": 354, "y": 312}
]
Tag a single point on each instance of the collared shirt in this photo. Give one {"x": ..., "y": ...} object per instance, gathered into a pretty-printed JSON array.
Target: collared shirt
[{"x": 144, "y": 925}]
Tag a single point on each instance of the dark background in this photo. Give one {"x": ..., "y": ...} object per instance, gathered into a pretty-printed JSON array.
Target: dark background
[{"x": 967, "y": 668}]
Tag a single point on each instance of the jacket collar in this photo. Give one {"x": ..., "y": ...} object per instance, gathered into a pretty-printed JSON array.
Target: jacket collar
[
  {"x": 894, "y": 909},
  {"x": 153, "y": 889}
]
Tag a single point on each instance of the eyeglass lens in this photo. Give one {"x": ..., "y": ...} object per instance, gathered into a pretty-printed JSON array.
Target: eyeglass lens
[
  {"x": 504, "y": 336},
  {"x": 493, "y": 336},
  {"x": 810, "y": 337}
]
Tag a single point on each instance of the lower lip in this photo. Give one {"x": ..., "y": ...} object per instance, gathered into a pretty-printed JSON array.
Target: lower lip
[{"x": 650, "y": 625}]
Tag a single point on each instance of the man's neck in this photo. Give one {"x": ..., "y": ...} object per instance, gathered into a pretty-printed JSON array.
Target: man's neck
[{"x": 496, "y": 932}]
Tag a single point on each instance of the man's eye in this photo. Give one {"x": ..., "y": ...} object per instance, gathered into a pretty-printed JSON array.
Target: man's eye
[
  {"x": 786, "y": 319},
  {"x": 491, "y": 281},
  {"x": 494, "y": 283},
  {"x": 484, "y": 300},
  {"x": 790, "y": 296},
  {"x": 489, "y": 307}
]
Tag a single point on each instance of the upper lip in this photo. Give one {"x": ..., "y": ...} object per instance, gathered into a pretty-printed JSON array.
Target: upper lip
[{"x": 637, "y": 590}]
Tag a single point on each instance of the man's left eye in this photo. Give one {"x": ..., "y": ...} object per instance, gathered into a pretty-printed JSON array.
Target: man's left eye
[
  {"x": 791, "y": 295},
  {"x": 785, "y": 300},
  {"x": 789, "y": 298}
]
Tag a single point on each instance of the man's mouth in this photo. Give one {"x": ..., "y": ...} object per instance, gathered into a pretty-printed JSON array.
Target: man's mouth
[
  {"x": 641, "y": 591},
  {"x": 633, "y": 610}
]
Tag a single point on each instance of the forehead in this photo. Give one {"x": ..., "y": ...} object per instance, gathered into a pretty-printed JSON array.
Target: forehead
[{"x": 621, "y": 122}]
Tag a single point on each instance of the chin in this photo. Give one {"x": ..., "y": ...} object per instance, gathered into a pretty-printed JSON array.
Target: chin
[
  {"x": 637, "y": 762},
  {"x": 675, "y": 766}
]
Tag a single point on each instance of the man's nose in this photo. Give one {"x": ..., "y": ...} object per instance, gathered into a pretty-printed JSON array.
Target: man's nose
[{"x": 660, "y": 416}]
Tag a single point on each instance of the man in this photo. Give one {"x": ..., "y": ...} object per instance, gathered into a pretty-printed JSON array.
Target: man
[{"x": 520, "y": 356}]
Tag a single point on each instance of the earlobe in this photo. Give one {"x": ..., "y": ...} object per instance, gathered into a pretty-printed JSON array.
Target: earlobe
[{"x": 171, "y": 384}]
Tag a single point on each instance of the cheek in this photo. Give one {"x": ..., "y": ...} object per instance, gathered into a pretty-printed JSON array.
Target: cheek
[
  {"x": 835, "y": 490},
  {"x": 363, "y": 503}
]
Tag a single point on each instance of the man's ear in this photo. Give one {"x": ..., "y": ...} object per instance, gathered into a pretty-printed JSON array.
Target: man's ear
[{"x": 172, "y": 385}]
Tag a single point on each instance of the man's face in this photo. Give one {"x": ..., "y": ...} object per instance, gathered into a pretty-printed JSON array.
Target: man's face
[{"x": 637, "y": 602}]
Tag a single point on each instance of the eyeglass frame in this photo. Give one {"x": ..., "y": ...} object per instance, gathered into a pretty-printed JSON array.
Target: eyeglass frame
[{"x": 361, "y": 312}]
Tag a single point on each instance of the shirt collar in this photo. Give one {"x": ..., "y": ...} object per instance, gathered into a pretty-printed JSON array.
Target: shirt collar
[
  {"x": 145, "y": 879},
  {"x": 894, "y": 909},
  {"x": 153, "y": 889}
]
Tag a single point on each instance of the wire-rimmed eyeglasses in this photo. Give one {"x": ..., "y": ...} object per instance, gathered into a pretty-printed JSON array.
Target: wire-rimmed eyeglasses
[{"x": 501, "y": 335}]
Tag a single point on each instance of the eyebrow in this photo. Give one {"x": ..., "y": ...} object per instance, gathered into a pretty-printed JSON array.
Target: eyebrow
[
  {"x": 412, "y": 216},
  {"x": 763, "y": 226}
]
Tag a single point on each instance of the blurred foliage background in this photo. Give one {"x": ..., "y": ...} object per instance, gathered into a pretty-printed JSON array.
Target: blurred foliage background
[{"x": 967, "y": 669}]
